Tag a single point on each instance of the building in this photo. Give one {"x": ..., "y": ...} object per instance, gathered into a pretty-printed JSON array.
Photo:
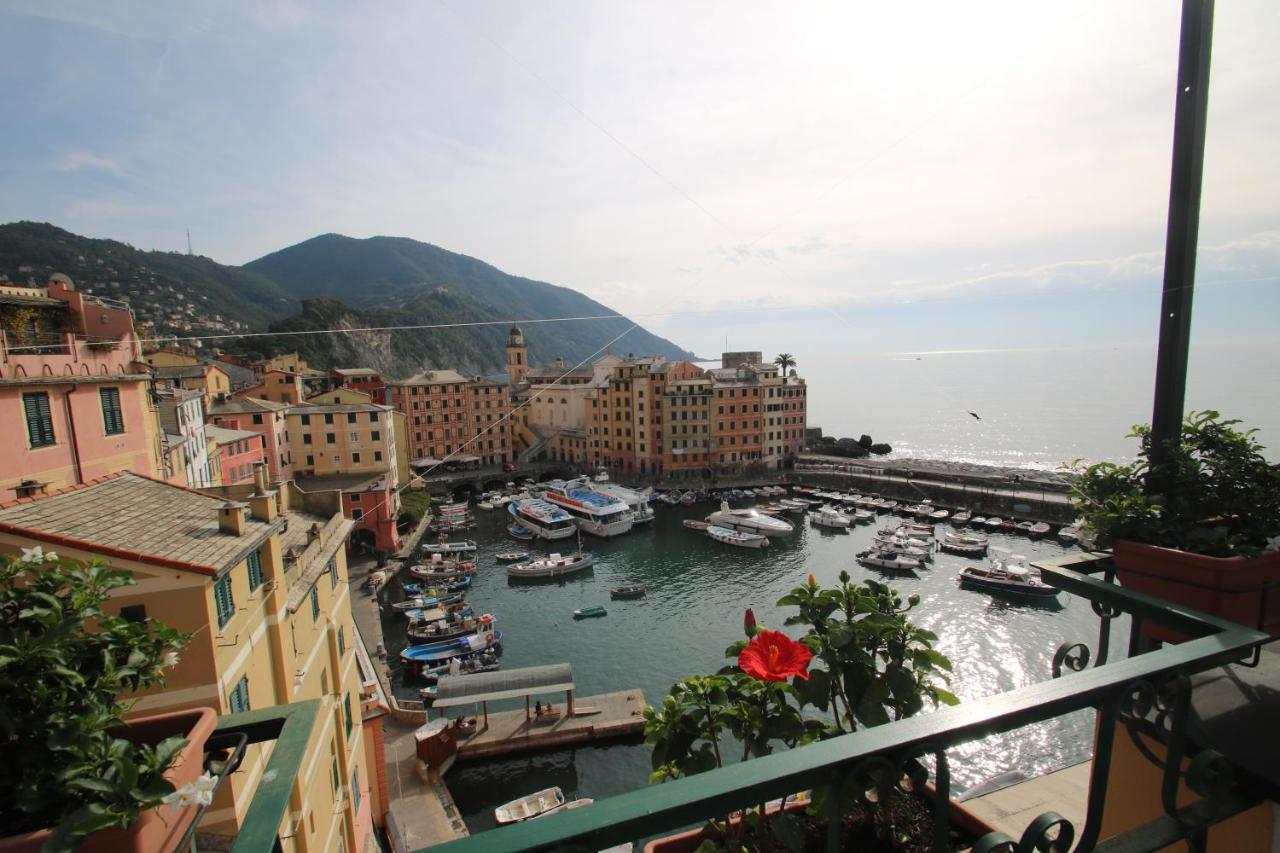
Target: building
[
  {"x": 277, "y": 386},
  {"x": 184, "y": 443},
  {"x": 363, "y": 379},
  {"x": 257, "y": 576},
  {"x": 234, "y": 453},
  {"x": 261, "y": 416},
  {"x": 74, "y": 401},
  {"x": 206, "y": 377},
  {"x": 170, "y": 358},
  {"x": 351, "y": 448},
  {"x": 759, "y": 417},
  {"x": 452, "y": 417}
]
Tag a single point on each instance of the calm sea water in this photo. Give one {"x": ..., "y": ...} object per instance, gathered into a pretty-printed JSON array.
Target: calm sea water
[
  {"x": 1038, "y": 408},
  {"x": 697, "y": 591}
]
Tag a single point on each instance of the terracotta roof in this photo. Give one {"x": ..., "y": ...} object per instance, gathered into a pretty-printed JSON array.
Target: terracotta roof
[{"x": 137, "y": 518}]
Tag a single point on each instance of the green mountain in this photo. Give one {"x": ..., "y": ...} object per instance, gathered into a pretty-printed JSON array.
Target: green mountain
[
  {"x": 170, "y": 293},
  {"x": 411, "y": 283},
  {"x": 333, "y": 282}
]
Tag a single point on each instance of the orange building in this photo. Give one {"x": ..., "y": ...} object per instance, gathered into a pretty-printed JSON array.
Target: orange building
[{"x": 451, "y": 416}]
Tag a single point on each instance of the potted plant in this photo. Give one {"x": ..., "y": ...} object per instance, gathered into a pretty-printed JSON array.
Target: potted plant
[
  {"x": 1200, "y": 529},
  {"x": 81, "y": 777},
  {"x": 861, "y": 663}
]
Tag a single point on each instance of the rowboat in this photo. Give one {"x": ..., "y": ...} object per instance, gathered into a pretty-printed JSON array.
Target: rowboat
[
  {"x": 994, "y": 522},
  {"x": 590, "y": 612},
  {"x": 961, "y": 518},
  {"x": 439, "y": 589},
  {"x": 627, "y": 591},
  {"x": 511, "y": 556},
  {"x": 552, "y": 567},
  {"x": 694, "y": 524},
  {"x": 516, "y": 531},
  {"x": 572, "y": 804},
  {"x": 737, "y": 537},
  {"x": 527, "y": 807}
]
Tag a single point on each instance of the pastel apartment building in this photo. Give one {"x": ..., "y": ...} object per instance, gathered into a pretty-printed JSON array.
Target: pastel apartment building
[
  {"x": 350, "y": 448},
  {"x": 277, "y": 386},
  {"x": 257, "y": 576},
  {"x": 74, "y": 400},
  {"x": 184, "y": 443},
  {"x": 234, "y": 454},
  {"x": 263, "y": 417},
  {"x": 452, "y": 417},
  {"x": 363, "y": 379}
]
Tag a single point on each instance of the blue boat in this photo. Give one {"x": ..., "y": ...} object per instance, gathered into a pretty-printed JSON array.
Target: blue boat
[{"x": 417, "y": 657}]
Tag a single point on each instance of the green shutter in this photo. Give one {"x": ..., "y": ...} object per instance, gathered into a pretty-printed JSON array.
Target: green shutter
[
  {"x": 222, "y": 598},
  {"x": 255, "y": 571},
  {"x": 239, "y": 698},
  {"x": 346, "y": 711},
  {"x": 342, "y": 641},
  {"x": 112, "y": 415},
  {"x": 39, "y": 418},
  {"x": 315, "y": 603}
]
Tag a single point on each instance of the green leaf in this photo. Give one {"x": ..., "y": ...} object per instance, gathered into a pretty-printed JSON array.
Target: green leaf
[{"x": 789, "y": 829}]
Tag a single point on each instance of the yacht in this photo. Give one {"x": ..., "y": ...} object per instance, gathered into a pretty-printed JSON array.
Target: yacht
[
  {"x": 749, "y": 521},
  {"x": 641, "y": 512},
  {"x": 595, "y": 512},
  {"x": 829, "y": 517},
  {"x": 1008, "y": 575},
  {"x": 542, "y": 519}
]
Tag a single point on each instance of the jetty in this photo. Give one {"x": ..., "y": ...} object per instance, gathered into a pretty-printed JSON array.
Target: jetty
[{"x": 609, "y": 716}]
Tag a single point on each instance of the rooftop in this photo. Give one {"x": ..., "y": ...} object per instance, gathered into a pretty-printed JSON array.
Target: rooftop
[
  {"x": 355, "y": 371},
  {"x": 336, "y": 408},
  {"x": 222, "y": 435},
  {"x": 338, "y": 482},
  {"x": 137, "y": 518},
  {"x": 240, "y": 405},
  {"x": 433, "y": 377}
]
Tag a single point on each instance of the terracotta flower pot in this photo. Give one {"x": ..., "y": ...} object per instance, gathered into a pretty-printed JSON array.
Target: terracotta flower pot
[
  {"x": 1226, "y": 587},
  {"x": 687, "y": 842},
  {"x": 158, "y": 830}
]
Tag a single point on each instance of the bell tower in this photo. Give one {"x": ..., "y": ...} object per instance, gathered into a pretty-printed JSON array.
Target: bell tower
[{"x": 517, "y": 357}]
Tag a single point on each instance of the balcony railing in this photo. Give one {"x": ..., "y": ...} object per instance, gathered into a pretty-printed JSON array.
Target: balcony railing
[{"x": 903, "y": 755}]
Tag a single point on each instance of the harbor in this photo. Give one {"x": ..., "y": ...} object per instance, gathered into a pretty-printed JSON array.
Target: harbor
[{"x": 690, "y": 590}]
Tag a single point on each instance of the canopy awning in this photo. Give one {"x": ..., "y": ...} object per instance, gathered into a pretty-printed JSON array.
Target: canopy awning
[
  {"x": 424, "y": 461},
  {"x": 454, "y": 690},
  {"x": 465, "y": 457}
]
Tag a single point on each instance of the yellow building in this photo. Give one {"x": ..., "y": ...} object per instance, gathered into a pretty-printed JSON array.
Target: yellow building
[
  {"x": 260, "y": 584},
  {"x": 170, "y": 358},
  {"x": 209, "y": 379}
]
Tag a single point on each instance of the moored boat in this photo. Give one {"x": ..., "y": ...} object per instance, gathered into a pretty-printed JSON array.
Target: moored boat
[
  {"x": 518, "y": 531},
  {"x": 1008, "y": 576},
  {"x": 593, "y": 612},
  {"x": 1039, "y": 530},
  {"x": 961, "y": 517},
  {"x": 828, "y": 517},
  {"x": 417, "y": 657},
  {"x": 1069, "y": 535},
  {"x": 695, "y": 524},
  {"x": 994, "y": 522},
  {"x": 749, "y": 521},
  {"x": 529, "y": 806},
  {"x": 634, "y": 591},
  {"x": 554, "y": 566},
  {"x": 738, "y": 538},
  {"x": 511, "y": 556},
  {"x": 542, "y": 519},
  {"x": 449, "y": 629},
  {"x": 594, "y": 511},
  {"x": 890, "y": 560},
  {"x": 450, "y": 547}
]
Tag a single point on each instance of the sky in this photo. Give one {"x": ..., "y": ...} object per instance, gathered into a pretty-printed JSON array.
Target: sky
[{"x": 806, "y": 178}]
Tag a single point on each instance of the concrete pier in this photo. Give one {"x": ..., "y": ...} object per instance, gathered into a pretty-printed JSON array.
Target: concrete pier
[{"x": 610, "y": 716}]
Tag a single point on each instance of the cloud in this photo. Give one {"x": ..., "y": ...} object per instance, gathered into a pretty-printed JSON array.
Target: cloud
[{"x": 86, "y": 161}]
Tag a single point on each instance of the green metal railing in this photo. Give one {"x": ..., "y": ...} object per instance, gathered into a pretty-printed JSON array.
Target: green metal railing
[{"x": 1150, "y": 689}]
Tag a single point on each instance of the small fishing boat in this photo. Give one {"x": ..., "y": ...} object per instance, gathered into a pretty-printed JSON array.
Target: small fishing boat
[
  {"x": 511, "y": 556},
  {"x": 415, "y": 603},
  {"x": 961, "y": 518},
  {"x": 590, "y": 612},
  {"x": 1024, "y": 527},
  {"x": 889, "y": 560},
  {"x": 737, "y": 538},
  {"x": 516, "y": 531},
  {"x": 552, "y": 567},
  {"x": 449, "y": 629},
  {"x": 434, "y": 576},
  {"x": 978, "y": 521},
  {"x": 416, "y": 657},
  {"x": 863, "y": 516},
  {"x": 912, "y": 548},
  {"x": 1069, "y": 536},
  {"x": 528, "y": 807},
  {"x": 888, "y": 506},
  {"x": 463, "y": 665},
  {"x": 572, "y": 804},
  {"x": 1039, "y": 530},
  {"x": 913, "y": 528},
  {"x": 1010, "y": 576},
  {"x": 694, "y": 524},
  {"x": 687, "y": 499},
  {"x": 459, "y": 585},
  {"x": 635, "y": 591},
  {"x": 450, "y": 547},
  {"x": 994, "y": 522},
  {"x": 939, "y": 515},
  {"x": 965, "y": 546}
]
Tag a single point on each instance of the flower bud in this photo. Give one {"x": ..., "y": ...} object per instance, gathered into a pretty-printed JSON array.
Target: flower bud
[{"x": 749, "y": 622}]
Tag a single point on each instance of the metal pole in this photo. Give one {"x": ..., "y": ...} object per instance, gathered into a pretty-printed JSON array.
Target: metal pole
[{"x": 1190, "y": 119}]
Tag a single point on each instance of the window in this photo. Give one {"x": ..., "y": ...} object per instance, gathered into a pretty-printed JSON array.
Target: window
[
  {"x": 334, "y": 778},
  {"x": 328, "y": 419},
  {"x": 355, "y": 789},
  {"x": 355, "y": 458},
  {"x": 239, "y": 698},
  {"x": 306, "y": 420},
  {"x": 351, "y": 417},
  {"x": 311, "y": 461},
  {"x": 342, "y": 640},
  {"x": 306, "y": 438},
  {"x": 315, "y": 603},
  {"x": 222, "y": 598},
  {"x": 375, "y": 435},
  {"x": 39, "y": 418},
  {"x": 329, "y": 438},
  {"x": 355, "y": 436},
  {"x": 134, "y": 613},
  {"x": 257, "y": 419},
  {"x": 112, "y": 417},
  {"x": 373, "y": 417},
  {"x": 357, "y": 514},
  {"x": 377, "y": 456},
  {"x": 346, "y": 712},
  {"x": 255, "y": 570}
]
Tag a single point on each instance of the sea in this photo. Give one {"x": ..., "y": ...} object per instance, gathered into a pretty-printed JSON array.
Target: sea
[{"x": 1032, "y": 408}]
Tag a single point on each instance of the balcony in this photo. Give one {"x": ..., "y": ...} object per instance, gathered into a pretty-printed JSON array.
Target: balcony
[{"x": 65, "y": 355}]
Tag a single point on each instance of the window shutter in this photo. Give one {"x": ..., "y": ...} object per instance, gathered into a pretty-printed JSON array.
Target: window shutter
[{"x": 39, "y": 418}]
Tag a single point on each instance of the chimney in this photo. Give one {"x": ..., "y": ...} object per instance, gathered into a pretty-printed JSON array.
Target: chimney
[
  {"x": 231, "y": 518},
  {"x": 559, "y": 363},
  {"x": 262, "y": 503}
]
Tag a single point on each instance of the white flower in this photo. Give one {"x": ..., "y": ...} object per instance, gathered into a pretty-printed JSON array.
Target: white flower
[
  {"x": 33, "y": 555},
  {"x": 169, "y": 660},
  {"x": 50, "y": 557},
  {"x": 197, "y": 793}
]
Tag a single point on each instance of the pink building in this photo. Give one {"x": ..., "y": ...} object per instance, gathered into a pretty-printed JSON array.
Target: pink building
[
  {"x": 263, "y": 417},
  {"x": 370, "y": 500},
  {"x": 73, "y": 400},
  {"x": 234, "y": 453}
]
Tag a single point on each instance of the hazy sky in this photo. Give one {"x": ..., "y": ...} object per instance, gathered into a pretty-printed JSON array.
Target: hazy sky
[{"x": 888, "y": 175}]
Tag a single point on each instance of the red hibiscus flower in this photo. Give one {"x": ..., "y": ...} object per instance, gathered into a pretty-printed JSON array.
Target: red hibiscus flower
[{"x": 773, "y": 656}]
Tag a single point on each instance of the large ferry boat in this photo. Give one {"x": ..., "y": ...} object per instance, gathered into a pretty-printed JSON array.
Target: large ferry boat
[
  {"x": 595, "y": 512},
  {"x": 542, "y": 519}
]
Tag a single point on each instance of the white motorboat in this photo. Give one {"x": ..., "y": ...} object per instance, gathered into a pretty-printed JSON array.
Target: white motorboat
[
  {"x": 738, "y": 538},
  {"x": 1039, "y": 530},
  {"x": 450, "y": 547},
  {"x": 641, "y": 512},
  {"x": 890, "y": 560},
  {"x": 828, "y": 517},
  {"x": 554, "y": 566},
  {"x": 961, "y": 518},
  {"x": 749, "y": 521},
  {"x": 1009, "y": 576},
  {"x": 968, "y": 545},
  {"x": 1069, "y": 535},
  {"x": 863, "y": 516},
  {"x": 539, "y": 803},
  {"x": 595, "y": 512},
  {"x": 544, "y": 520},
  {"x": 906, "y": 547}
]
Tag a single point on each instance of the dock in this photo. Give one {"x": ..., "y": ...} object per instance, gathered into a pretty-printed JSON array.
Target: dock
[{"x": 609, "y": 716}]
